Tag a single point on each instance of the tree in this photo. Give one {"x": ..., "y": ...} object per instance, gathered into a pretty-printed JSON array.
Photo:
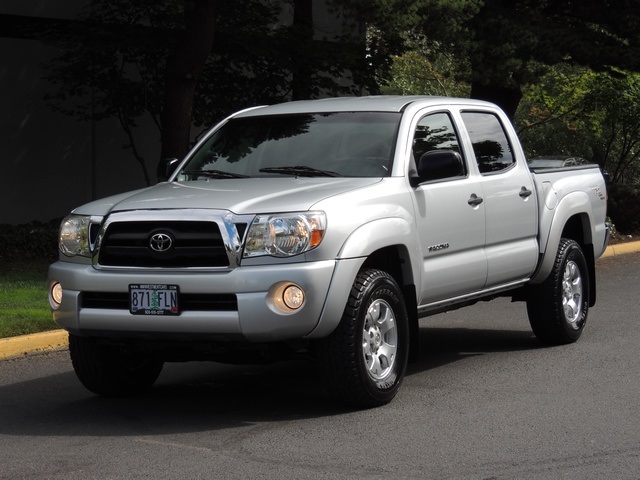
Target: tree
[
  {"x": 189, "y": 63},
  {"x": 426, "y": 69},
  {"x": 551, "y": 117},
  {"x": 575, "y": 111},
  {"x": 508, "y": 43},
  {"x": 113, "y": 63},
  {"x": 183, "y": 70},
  {"x": 611, "y": 111}
]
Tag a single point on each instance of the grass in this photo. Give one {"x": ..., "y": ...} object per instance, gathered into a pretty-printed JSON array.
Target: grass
[{"x": 24, "y": 306}]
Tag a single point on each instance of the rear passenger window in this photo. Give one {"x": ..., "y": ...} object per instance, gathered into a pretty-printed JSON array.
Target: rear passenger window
[{"x": 490, "y": 144}]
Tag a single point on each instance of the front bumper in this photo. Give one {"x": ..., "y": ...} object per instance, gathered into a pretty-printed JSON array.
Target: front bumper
[{"x": 256, "y": 319}]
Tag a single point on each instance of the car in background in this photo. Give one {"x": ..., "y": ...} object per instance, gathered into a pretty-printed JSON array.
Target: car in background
[{"x": 557, "y": 162}]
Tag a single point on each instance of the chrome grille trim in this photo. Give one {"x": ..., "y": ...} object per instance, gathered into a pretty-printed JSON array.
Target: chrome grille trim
[{"x": 225, "y": 221}]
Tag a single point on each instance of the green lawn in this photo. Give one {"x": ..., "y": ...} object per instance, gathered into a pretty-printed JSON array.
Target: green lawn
[{"x": 24, "y": 307}]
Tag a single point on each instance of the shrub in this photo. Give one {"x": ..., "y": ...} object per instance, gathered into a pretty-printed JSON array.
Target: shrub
[
  {"x": 624, "y": 207},
  {"x": 34, "y": 240}
]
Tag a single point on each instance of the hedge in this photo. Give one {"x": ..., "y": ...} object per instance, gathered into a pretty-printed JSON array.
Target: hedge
[
  {"x": 34, "y": 240},
  {"x": 624, "y": 208}
]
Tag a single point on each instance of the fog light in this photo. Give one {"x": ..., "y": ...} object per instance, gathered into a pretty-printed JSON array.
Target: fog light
[
  {"x": 286, "y": 298},
  {"x": 56, "y": 295},
  {"x": 293, "y": 297}
]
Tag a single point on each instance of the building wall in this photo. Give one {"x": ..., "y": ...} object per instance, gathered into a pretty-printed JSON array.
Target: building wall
[{"x": 50, "y": 162}]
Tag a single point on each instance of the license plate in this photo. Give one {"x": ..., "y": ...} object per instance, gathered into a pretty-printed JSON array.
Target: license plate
[{"x": 153, "y": 299}]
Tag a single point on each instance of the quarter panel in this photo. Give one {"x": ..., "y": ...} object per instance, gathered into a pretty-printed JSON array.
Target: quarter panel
[{"x": 576, "y": 203}]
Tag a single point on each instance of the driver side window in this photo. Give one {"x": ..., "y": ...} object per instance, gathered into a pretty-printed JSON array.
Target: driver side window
[{"x": 434, "y": 132}]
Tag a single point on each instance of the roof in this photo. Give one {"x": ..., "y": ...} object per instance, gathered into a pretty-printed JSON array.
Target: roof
[{"x": 382, "y": 103}]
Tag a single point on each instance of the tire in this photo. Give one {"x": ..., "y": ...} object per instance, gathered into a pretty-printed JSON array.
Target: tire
[
  {"x": 112, "y": 371},
  {"x": 364, "y": 359},
  {"x": 558, "y": 308}
]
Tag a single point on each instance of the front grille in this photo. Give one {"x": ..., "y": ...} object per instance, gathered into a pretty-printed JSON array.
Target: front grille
[
  {"x": 193, "y": 244},
  {"x": 193, "y": 302}
]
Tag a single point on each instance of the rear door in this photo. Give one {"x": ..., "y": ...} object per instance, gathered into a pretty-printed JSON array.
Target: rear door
[{"x": 511, "y": 213}]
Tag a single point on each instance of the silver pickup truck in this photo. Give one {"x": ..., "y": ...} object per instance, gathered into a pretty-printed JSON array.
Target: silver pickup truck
[{"x": 327, "y": 227}]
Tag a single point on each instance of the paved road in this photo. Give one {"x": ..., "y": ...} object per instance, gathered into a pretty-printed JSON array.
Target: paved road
[{"x": 485, "y": 401}]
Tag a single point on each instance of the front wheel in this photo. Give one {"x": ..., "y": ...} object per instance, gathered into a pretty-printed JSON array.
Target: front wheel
[
  {"x": 365, "y": 358},
  {"x": 559, "y": 306},
  {"x": 110, "y": 370}
]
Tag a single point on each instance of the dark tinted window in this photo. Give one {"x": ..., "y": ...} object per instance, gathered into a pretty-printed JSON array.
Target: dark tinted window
[
  {"x": 490, "y": 145},
  {"x": 434, "y": 132},
  {"x": 358, "y": 144}
]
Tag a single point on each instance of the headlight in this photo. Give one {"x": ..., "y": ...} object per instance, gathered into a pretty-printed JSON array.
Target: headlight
[
  {"x": 74, "y": 236},
  {"x": 284, "y": 235}
]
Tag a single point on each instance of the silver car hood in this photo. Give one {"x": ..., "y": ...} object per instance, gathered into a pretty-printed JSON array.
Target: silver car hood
[{"x": 240, "y": 196}]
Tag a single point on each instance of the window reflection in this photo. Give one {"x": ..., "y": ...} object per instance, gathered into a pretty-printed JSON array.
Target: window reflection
[
  {"x": 490, "y": 144},
  {"x": 357, "y": 144},
  {"x": 434, "y": 132}
]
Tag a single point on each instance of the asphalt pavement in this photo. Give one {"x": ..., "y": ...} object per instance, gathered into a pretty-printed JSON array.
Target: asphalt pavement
[{"x": 485, "y": 400}]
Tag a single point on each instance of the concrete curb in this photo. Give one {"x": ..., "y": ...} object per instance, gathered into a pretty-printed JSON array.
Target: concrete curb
[
  {"x": 34, "y": 343},
  {"x": 58, "y": 339},
  {"x": 621, "y": 249}
]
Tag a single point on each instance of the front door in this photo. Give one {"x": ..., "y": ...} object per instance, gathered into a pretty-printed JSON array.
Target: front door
[{"x": 450, "y": 224}]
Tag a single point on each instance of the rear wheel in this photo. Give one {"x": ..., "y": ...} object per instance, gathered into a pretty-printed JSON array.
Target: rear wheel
[
  {"x": 558, "y": 308},
  {"x": 364, "y": 360},
  {"x": 110, "y": 370}
]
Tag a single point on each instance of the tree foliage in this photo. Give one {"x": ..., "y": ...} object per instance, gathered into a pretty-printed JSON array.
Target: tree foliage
[
  {"x": 114, "y": 67},
  {"x": 576, "y": 111},
  {"x": 507, "y": 43},
  {"x": 573, "y": 63},
  {"x": 188, "y": 63},
  {"x": 426, "y": 69}
]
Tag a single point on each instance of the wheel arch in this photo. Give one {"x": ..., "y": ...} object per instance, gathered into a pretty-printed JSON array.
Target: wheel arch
[
  {"x": 384, "y": 244},
  {"x": 396, "y": 261},
  {"x": 572, "y": 219}
]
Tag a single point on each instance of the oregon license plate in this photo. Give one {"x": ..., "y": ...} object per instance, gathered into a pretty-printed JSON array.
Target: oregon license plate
[{"x": 153, "y": 299}]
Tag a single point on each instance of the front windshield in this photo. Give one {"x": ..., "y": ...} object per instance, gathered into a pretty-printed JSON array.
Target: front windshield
[{"x": 350, "y": 144}]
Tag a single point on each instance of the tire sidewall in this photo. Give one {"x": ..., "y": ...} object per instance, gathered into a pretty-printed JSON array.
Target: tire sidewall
[
  {"x": 383, "y": 288},
  {"x": 573, "y": 253},
  {"x": 104, "y": 370}
]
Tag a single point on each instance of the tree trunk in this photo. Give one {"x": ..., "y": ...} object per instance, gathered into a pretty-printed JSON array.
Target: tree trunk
[
  {"x": 506, "y": 98},
  {"x": 303, "y": 35},
  {"x": 183, "y": 70}
]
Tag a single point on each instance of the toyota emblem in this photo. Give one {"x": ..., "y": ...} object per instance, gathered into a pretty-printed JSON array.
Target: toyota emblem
[{"x": 160, "y": 242}]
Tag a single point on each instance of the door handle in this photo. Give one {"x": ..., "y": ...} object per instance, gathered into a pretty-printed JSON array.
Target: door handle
[
  {"x": 525, "y": 192},
  {"x": 475, "y": 200}
]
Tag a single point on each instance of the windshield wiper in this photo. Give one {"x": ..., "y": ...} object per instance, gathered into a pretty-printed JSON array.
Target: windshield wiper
[
  {"x": 214, "y": 174},
  {"x": 300, "y": 171}
]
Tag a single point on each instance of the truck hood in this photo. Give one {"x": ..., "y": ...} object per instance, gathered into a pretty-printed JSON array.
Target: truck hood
[{"x": 240, "y": 196}]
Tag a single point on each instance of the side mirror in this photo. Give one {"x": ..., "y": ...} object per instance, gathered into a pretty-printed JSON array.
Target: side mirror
[
  {"x": 166, "y": 168},
  {"x": 437, "y": 165}
]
